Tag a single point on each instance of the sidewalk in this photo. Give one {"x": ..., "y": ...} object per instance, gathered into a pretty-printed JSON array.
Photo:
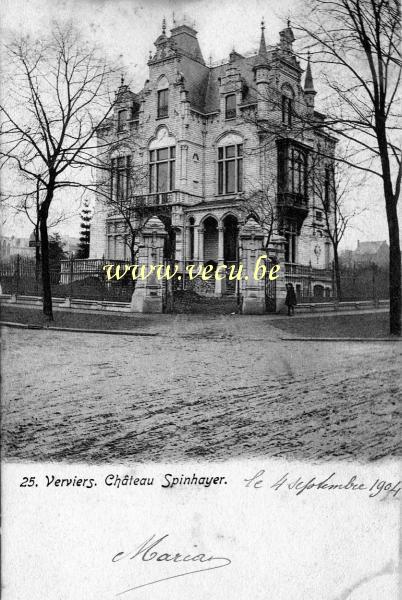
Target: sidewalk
[{"x": 363, "y": 325}]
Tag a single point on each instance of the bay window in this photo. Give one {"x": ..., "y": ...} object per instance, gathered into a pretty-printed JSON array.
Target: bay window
[{"x": 292, "y": 169}]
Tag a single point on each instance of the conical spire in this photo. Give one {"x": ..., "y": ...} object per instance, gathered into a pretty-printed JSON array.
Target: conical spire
[
  {"x": 263, "y": 48},
  {"x": 308, "y": 81}
]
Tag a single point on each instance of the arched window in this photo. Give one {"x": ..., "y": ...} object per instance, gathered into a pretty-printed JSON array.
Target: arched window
[
  {"x": 318, "y": 291},
  {"x": 230, "y": 165}
]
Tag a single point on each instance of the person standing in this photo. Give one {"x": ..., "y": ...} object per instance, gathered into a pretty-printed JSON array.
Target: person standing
[{"x": 291, "y": 300}]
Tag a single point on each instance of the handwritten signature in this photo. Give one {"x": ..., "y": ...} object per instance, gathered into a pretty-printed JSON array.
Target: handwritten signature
[{"x": 147, "y": 553}]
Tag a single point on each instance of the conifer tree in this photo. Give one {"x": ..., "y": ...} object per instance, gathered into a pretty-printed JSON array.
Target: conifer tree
[{"x": 85, "y": 229}]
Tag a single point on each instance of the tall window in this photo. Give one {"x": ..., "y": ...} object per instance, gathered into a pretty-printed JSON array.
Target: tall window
[
  {"x": 162, "y": 169},
  {"x": 120, "y": 178},
  {"x": 287, "y": 107},
  {"x": 230, "y": 169},
  {"x": 121, "y": 120},
  {"x": 327, "y": 186},
  {"x": 297, "y": 176},
  {"x": 290, "y": 243},
  {"x": 163, "y": 103},
  {"x": 230, "y": 106}
]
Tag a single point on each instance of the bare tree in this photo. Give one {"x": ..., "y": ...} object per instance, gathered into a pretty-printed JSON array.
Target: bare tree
[
  {"x": 56, "y": 99},
  {"x": 332, "y": 184},
  {"x": 260, "y": 203},
  {"x": 358, "y": 43},
  {"x": 119, "y": 192}
]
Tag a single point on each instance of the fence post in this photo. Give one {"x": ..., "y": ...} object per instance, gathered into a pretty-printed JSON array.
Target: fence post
[
  {"x": 103, "y": 280},
  {"x": 17, "y": 276},
  {"x": 71, "y": 278},
  {"x": 373, "y": 276},
  {"x": 334, "y": 291}
]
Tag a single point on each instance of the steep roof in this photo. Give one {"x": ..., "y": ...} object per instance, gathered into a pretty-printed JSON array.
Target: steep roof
[
  {"x": 370, "y": 247},
  {"x": 185, "y": 38}
]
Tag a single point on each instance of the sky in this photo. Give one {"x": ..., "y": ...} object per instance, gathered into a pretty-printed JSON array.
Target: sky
[{"x": 126, "y": 29}]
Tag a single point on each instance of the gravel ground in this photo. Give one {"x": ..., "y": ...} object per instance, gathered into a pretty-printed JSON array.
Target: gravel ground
[{"x": 213, "y": 388}]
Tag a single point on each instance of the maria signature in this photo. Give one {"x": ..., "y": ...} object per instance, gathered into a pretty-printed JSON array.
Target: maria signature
[{"x": 147, "y": 553}]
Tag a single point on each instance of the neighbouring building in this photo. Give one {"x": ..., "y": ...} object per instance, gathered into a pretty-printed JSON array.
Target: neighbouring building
[
  {"x": 13, "y": 246},
  {"x": 205, "y": 149},
  {"x": 367, "y": 253}
]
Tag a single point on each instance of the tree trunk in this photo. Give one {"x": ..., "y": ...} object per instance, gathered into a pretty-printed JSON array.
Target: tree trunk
[
  {"x": 337, "y": 275},
  {"x": 47, "y": 292},
  {"x": 133, "y": 258},
  {"x": 394, "y": 266},
  {"x": 44, "y": 241},
  {"x": 393, "y": 231}
]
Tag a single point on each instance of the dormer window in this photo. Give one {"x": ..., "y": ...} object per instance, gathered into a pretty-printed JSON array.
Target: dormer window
[
  {"x": 121, "y": 119},
  {"x": 163, "y": 103},
  {"x": 230, "y": 106}
]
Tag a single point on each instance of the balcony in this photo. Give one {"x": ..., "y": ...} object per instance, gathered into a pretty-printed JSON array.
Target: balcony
[
  {"x": 165, "y": 199},
  {"x": 292, "y": 207},
  {"x": 230, "y": 113},
  {"x": 292, "y": 200}
]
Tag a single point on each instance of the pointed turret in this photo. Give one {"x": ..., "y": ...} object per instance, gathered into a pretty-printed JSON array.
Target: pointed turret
[
  {"x": 308, "y": 80},
  {"x": 309, "y": 91},
  {"x": 263, "y": 47},
  {"x": 262, "y": 69}
]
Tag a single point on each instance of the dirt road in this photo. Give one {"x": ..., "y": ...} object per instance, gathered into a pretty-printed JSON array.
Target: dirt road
[{"x": 214, "y": 389}]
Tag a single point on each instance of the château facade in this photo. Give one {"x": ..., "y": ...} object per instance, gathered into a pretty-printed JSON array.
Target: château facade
[{"x": 208, "y": 148}]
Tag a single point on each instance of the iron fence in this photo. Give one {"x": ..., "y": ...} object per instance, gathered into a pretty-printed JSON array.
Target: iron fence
[
  {"x": 73, "y": 278},
  {"x": 311, "y": 284},
  {"x": 86, "y": 279}
]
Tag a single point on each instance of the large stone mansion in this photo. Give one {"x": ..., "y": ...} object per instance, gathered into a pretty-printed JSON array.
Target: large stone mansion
[{"x": 215, "y": 143}]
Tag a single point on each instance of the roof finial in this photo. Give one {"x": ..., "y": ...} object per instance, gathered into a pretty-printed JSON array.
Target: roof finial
[
  {"x": 164, "y": 26},
  {"x": 262, "y": 24},
  {"x": 288, "y": 22},
  {"x": 173, "y": 18},
  {"x": 122, "y": 79}
]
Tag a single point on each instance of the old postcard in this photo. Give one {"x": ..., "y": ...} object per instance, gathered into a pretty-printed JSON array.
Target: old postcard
[{"x": 200, "y": 292}]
